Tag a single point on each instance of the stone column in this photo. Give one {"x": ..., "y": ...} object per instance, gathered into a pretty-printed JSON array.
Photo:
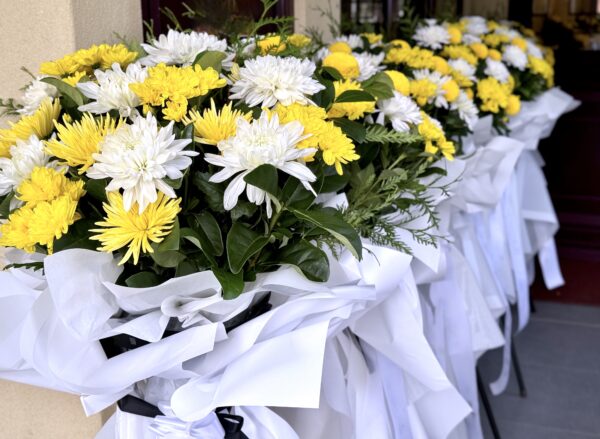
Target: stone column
[{"x": 33, "y": 31}]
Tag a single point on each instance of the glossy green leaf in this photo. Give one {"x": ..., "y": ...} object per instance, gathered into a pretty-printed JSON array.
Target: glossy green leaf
[
  {"x": 311, "y": 260},
  {"x": 66, "y": 90},
  {"x": 143, "y": 279},
  {"x": 232, "y": 284},
  {"x": 331, "y": 220},
  {"x": 97, "y": 188},
  {"x": 264, "y": 177},
  {"x": 210, "y": 58},
  {"x": 242, "y": 244},
  {"x": 379, "y": 85},
  {"x": 355, "y": 130},
  {"x": 354, "y": 96}
]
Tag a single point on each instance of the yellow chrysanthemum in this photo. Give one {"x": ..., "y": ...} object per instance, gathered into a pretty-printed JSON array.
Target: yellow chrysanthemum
[
  {"x": 40, "y": 224},
  {"x": 435, "y": 139},
  {"x": 480, "y": 50},
  {"x": 336, "y": 147},
  {"x": 492, "y": 25},
  {"x": 271, "y": 45},
  {"x": 422, "y": 90},
  {"x": 542, "y": 68},
  {"x": 170, "y": 87},
  {"x": 344, "y": 63},
  {"x": 340, "y": 46},
  {"x": 494, "y": 40},
  {"x": 47, "y": 184},
  {"x": 460, "y": 51},
  {"x": 400, "y": 81},
  {"x": 312, "y": 119},
  {"x": 520, "y": 43},
  {"x": 513, "y": 105},
  {"x": 461, "y": 80},
  {"x": 39, "y": 123},
  {"x": 299, "y": 40},
  {"x": 400, "y": 43},
  {"x": 86, "y": 60},
  {"x": 212, "y": 126},
  {"x": 414, "y": 57},
  {"x": 493, "y": 95},
  {"x": 455, "y": 34},
  {"x": 441, "y": 65},
  {"x": 495, "y": 54},
  {"x": 452, "y": 90},
  {"x": 122, "y": 228},
  {"x": 78, "y": 141},
  {"x": 372, "y": 38},
  {"x": 351, "y": 110},
  {"x": 73, "y": 79}
]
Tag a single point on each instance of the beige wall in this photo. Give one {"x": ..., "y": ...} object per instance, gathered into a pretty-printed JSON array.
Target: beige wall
[
  {"x": 308, "y": 15},
  {"x": 33, "y": 31}
]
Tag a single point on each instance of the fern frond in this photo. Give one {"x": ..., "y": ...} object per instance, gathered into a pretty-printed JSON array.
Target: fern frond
[{"x": 381, "y": 134}]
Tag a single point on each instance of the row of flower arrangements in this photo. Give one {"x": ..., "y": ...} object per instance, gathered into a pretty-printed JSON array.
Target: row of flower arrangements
[{"x": 192, "y": 153}]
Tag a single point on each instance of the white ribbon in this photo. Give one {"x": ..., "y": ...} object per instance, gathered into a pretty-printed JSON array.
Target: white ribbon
[{"x": 168, "y": 427}]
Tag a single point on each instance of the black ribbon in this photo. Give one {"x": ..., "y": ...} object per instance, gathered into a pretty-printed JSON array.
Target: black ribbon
[{"x": 232, "y": 424}]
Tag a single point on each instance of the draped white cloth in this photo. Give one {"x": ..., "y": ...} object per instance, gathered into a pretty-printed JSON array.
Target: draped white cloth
[{"x": 386, "y": 348}]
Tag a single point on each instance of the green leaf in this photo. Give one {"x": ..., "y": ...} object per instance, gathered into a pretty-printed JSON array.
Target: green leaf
[
  {"x": 334, "y": 183},
  {"x": 175, "y": 184},
  {"x": 77, "y": 237},
  {"x": 213, "y": 192},
  {"x": 264, "y": 177},
  {"x": 243, "y": 209},
  {"x": 354, "y": 96},
  {"x": 379, "y": 85},
  {"x": 171, "y": 242},
  {"x": 168, "y": 259},
  {"x": 66, "y": 90},
  {"x": 5, "y": 205},
  {"x": 295, "y": 194},
  {"x": 210, "y": 230},
  {"x": 97, "y": 188},
  {"x": 333, "y": 73},
  {"x": 355, "y": 130},
  {"x": 210, "y": 58},
  {"x": 242, "y": 244},
  {"x": 311, "y": 260},
  {"x": 143, "y": 279},
  {"x": 232, "y": 284},
  {"x": 331, "y": 220}
]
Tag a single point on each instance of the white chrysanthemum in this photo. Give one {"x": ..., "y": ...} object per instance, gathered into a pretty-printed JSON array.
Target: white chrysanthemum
[
  {"x": 496, "y": 69},
  {"x": 470, "y": 39},
  {"x": 467, "y": 110},
  {"x": 138, "y": 157},
  {"x": 433, "y": 37},
  {"x": 515, "y": 56},
  {"x": 262, "y": 141},
  {"x": 534, "y": 50},
  {"x": 321, "y": 54},
  {"x": 353, "y": 40},
  {"x": 439, "y": 99},
  {"x": 463, "y": 67},
  {"x": 368, "y": 65},
  {"x": 24, "y": 156},
  {"x": 400, "y": 110},
  {"x": 267, "y": 80},
  {"x": 112, "y": 91},
  {"x": 180, "y": 48},
  {"x": 34, "y": 94},
  {"x": 510, "y": 33},
  {"x": 475, "y": 25}
]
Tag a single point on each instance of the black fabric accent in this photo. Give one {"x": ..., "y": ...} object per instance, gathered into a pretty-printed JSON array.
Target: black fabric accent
[{"x": 137, "y": 406}]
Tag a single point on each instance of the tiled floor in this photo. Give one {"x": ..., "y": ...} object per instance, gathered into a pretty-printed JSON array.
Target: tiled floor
[{"x": 559, "y": 352}]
